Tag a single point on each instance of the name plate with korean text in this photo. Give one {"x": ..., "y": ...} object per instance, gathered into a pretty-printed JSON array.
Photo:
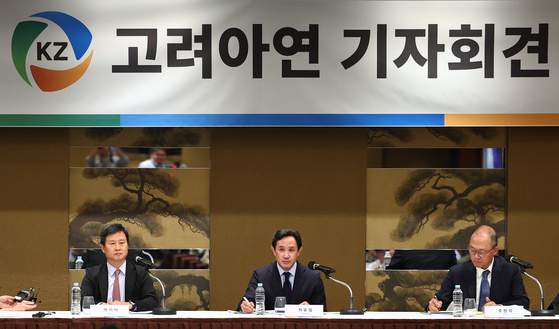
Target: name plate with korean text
[
  {"x": 304, "y": 311},
  {"x": 510, "y": 311},
  {"x": 110, "y": 310}
]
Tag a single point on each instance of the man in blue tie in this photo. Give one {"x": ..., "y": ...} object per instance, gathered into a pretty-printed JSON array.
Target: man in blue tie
[
  {"x": 286, "y": 276},
  {"x": 488, "y": 278}
]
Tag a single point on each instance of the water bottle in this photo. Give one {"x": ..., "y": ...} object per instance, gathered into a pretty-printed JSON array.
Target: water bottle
[
  {"x": 260, "y": 297},
  {"x": 457, "y": 301},
  {"x": 76, "y": 299},
  {"x": 79, "y": 263},
  {"x": 387, "y": 259}
]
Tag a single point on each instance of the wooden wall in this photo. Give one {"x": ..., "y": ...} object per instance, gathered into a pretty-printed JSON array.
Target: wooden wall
[
  {"x": 34, "y": 213},
  {"x": 533, "y": 206},
  {"x": 262, "y": 179},
  {"x": 308, "y": 179}
]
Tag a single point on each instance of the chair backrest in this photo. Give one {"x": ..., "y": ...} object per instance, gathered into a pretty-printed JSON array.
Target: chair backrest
[{"x": 554, "y": 305}]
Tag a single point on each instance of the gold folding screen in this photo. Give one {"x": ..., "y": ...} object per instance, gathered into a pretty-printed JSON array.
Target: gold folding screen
[
  {"x": 166, "y": 208},
  {"x": 427, "y": 189}
]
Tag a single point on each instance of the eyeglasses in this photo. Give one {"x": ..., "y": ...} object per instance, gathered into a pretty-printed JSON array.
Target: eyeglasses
[{"x": 480, "y": 253}]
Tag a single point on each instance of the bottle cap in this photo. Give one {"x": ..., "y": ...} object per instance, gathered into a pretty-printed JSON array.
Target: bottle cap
[
  {"x": 260, "y": 284},
  {"x": 79, "y": 257},
  {"x": 76, "y": 284},
  {"x": 457, "y": 286}
]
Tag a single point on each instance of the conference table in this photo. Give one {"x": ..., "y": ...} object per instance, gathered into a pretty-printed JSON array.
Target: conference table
[{"x": 232, "y": 320}]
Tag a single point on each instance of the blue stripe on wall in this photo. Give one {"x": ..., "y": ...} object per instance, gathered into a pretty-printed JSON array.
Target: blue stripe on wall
[{"x": 226, "y": 120}]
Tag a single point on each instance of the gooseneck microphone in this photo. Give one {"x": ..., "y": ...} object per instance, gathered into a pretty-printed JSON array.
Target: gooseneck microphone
[
  {"x": 145, "y": 262},
  {"x": 328, "y": 271},
  {"x": 325, "y": 269},
  {"x": 159, "y": 310},
  {"x": 521, "y": 263},
  {"x": 523, "y": 266}
]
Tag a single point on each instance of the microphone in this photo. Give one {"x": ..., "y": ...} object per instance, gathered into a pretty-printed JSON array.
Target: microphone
[
  {"x": 158, "y": 310},
  {"x": 145, "y": 262},
  {"x": 326, "y": 270},
  {"x": 521, "y": 263}
]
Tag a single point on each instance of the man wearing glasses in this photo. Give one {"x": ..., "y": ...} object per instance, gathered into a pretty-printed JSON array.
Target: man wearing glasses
[{"x": 488, "y": 278}]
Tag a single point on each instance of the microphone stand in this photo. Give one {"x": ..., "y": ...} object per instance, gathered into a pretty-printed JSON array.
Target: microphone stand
[
  {"x": 162, "y": 310},
  {"x": 541, "y": 312},
  {"x": 351, "y": 310}
]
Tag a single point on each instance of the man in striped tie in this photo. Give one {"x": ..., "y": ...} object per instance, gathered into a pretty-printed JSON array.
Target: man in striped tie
[
  {"x": 488, "y": 278},
  {"x": 118, "y": 282}
]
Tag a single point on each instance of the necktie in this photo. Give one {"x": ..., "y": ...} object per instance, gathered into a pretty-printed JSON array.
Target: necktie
[
  {"x": 287, "y": 287},
  {"x": 483, "y": 290},
  {"x": 116, "y": 287}
]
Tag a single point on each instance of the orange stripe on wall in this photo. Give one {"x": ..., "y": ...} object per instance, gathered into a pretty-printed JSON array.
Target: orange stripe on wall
[{"x": 537, "y": 119}]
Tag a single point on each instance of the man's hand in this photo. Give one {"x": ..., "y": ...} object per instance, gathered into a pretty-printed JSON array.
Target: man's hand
[
  {"x": 435, "y": 305},
  {"x": 489, "y": 302},
  {"x": 247, "y": 307},
  {"x": 304, "y": 303}
]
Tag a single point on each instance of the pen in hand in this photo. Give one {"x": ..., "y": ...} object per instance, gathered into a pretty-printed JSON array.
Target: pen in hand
[
  {"x": 247, "y": 301},
  {"x": 437, "y": 299}
]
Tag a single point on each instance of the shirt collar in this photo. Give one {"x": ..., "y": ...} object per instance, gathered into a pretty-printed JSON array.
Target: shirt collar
[
  {"x": 292, "y": 271},
  {"x": 479, "y": 270},
  {"x": 112, "y": 269}
]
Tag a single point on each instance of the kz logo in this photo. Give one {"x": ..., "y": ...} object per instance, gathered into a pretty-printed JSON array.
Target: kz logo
[{"x": 43, "y": 47}]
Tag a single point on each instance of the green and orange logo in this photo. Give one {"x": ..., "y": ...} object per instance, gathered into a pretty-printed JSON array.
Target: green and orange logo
[{"x": 40, "y": 47}]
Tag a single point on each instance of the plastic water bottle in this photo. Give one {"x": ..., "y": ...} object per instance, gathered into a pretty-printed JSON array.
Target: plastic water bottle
[
  {"x": 260, "y": 297},
  {"x": 387, "y": 259},
  {"x": 457, "y": 301},
  {"x": 79, "y": 263},
  {"x": 76, "y": 299}
]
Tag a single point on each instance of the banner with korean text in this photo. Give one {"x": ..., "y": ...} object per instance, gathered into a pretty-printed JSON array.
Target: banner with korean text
[{"x": 278, "y": 63}]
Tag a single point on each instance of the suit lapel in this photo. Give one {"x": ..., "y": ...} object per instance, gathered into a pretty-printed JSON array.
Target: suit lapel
[
  {"x": 471, "y": 280},
  {"x": 104, "y": 281},
  {"x": 129, "y": 281},
  {"x": 495, "y": 276},
  {"x": 275, "y": 280}
]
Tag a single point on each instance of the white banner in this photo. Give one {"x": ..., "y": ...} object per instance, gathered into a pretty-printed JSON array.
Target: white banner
[{"x": 305, "y": 62}]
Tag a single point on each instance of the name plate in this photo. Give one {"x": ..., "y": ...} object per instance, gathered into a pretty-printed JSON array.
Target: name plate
[
  {"x": 511, "y": 311},
  {"x": 110, "y": 310},
  {"x": 304, "y": 311}
]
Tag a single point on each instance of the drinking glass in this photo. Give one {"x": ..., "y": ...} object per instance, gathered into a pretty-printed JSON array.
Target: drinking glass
[
  {"x": 279, "y": 306},
  {"x": 470, "y": 307},
  {"x": 87, "y": 302}
]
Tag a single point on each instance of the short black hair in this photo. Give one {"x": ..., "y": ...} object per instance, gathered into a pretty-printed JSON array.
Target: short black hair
[
  {"x": 112, "y": 229},
  {"x": 280, "y": 234},
  {"x": 155, "y": 149}
]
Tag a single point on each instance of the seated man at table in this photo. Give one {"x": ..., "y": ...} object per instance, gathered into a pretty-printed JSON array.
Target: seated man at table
[
  {"x": 286, "y": 276},
  {"x": 487, "y": 277},
  {"x": 116, "y": 281}
]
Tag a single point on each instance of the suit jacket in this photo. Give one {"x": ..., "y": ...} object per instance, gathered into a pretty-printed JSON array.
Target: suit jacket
[
  {"x": 507, "y": 286},
  {"x": 138, "y": 286},
  {"x": 307, "y": 286}
]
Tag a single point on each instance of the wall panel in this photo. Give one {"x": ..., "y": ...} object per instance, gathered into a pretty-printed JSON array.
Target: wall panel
[
  {"x": 309, "y": 179},
  {"x": 533, "y": 206},
  {"x": 34, "y": 213}
]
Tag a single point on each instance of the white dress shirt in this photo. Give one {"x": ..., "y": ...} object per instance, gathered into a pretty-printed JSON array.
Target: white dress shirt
[{"x": 121, "y": 281}]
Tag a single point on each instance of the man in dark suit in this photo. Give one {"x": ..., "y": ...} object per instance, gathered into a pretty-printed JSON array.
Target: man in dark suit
[
  {"x": 487, "y": 277},
  {"x": 303, "y": 284},
  {"x": 116, "y": 281}
]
